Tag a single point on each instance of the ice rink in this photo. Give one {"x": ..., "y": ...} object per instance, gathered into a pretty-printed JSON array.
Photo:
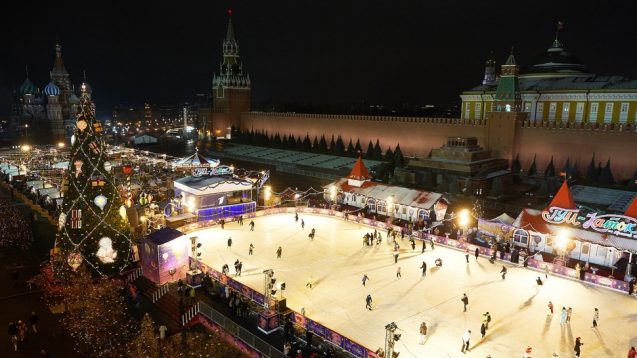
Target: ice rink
[{"x": 336, "y": 260}]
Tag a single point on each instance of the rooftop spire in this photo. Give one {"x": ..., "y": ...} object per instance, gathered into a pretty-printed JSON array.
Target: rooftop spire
[
  {"x": 511, "y": 59},
  {"x": 58, "y": 64},
  {"x": 230, "y": 33},
  {"x": 26, "y": 67},
  {"x": 559, "y": 27}
]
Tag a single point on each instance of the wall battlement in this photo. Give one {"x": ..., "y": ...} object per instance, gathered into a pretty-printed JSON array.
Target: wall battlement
[
  {"x": 596, "y": 127},
  {"x": 391, "y": 119}
]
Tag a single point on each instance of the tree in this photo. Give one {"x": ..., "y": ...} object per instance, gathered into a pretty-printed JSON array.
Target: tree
[
  {"x": 606, "y": 175},
  {"x": 322, "y": 146},
  {"x": 399, "y": 160},
  {"x": 315, "y": 145},
  {"x": 340, "y": 147},
  {"x": 96, "y": 317},
  {"x": 389, "y": 156},
  {"x": 591, "y": 172},
  {"x": 350, "y": 149},
  {"x": 276, "y": 143},
  {"x": 307, "y": 144},
  {"x": 515, "y": 165},
  {"x": 145, "y": 343},
  {"x": 550, "y": 169},
  {"x": 357, "y": 148},
  {"x": 92, "y": 232},
  {"x": 299, "y": 143},
  {"x": 195, "y": 344},
  {"x": 370, "y": 151},
  {"x": 378, "y": 152},
  {"x": 332, "y": 149},
  {"x": 533, "y": 168}
]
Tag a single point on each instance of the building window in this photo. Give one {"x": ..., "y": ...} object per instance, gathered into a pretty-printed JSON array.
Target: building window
[
  {"x": 579, "y": 112},
  {"x": 552, "y": 110},
  {"x": 608, "y": 113},
  {"x": 540, "y": 110},
  {"x": 371, "y": 205},
  {"x": 592, "y": 116},
  {"x": 478, "y": 110},
  {"x": 521, "y": 237},
  {"x": 565, "y": 109},
  {"x": 527, "y": 107},
  {"x": 623, "y": 113},
  {"x": 467, "y": 110},
  {"x": 381, "y": 207}
]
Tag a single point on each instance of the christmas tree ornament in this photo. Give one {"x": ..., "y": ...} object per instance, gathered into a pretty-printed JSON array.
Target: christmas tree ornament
[
  {"x": 61, "y": 221},
  {"x": 94, "y": 147},
  {"x": 76, "y": 219},
  {"x": 127, "y": 169},
  {"x": 97, "y": 127},
  {"x": 78, "y": 167},
  {"x": 108, "y": 166},
  {"x": 81, "y": 125},
  {"x": 74, "y": 260},
  {"x": 122, "y": 212},
  {"x": 73, "y": 139},
  {"x": 105, "y": 253},
  {"x": 100, "y": 201}
]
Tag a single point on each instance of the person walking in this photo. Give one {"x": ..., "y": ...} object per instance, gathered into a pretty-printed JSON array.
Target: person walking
[
  {"x": 251, "y": 225},
  {"x": 250, "y": 249},
  {"x": 13, "y": 335},
  {"x": 487, "y": 319},
  {"x": 398, "y": 275},
  {"x": 229, "y": 243},
  {"x": 22, "y": 330},
  {"x": 563, "y": 315},
  {"x": 423, "y": 332},
  {"x": 503, "y": 272},
  {"x": 483, "y": 329},
  {"x": 466, "y": 254},
  {"x": 595, "y": 318},
  {"x": 368, "y": 302},
  {"x": 33, "y": 320},
  {"x": 424, "y": 269},
  {"x": 632, "y": 353},
  {"x": 466, "y": 337},
  {"x": 477, "y": 253},
  {"x": 550, "y": 308},
  {"x": 465, "y": 301},
  {"x": 278, "y": 252},
  {"x": 365, "y": 278},
  {"x": 569, "y": 311},
  {"x": 578, "y": 346}
]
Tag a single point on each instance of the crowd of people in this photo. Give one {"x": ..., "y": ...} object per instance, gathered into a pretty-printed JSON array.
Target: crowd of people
[
  {"x": 19, "y": 331},
  {"x": 15, "y": 228}
]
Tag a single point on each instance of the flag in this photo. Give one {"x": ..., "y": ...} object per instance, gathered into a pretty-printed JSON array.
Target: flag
[{"x": 76, "y": 219}]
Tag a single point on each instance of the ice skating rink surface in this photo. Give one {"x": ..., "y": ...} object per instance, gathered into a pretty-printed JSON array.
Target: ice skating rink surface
[{"x": 337, "y": 259}]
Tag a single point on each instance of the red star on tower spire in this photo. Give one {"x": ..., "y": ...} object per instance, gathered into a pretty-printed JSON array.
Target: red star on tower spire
[{"x": 229, "y": 12}]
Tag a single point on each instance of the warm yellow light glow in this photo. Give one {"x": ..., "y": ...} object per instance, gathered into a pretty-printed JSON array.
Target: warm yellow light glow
[
  {"x": 61, "y": 144},
  {"x": 332, "y": 192},
  {"x": 25, "y": 148},
  {"x": 142, "y": 218},
  {"x": 463, "y": 217},
  {"x": 267, "y": 193},
  {"x": 562, "y": 238}
]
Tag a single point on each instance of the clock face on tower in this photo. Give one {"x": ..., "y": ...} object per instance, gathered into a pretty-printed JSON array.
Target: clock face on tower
[{"x": 81, "y": 125}]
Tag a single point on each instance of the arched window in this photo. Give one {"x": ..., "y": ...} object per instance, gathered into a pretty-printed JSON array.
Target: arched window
[
  {"x": 423, "y": 214},
  {"x": 521, "y": 237},
  {"x": 371, "y": 204},
  {"x": 382, "y": 206}
]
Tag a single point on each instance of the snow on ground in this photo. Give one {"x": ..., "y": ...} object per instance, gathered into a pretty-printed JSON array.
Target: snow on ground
[{"x": 336, "y": 260}]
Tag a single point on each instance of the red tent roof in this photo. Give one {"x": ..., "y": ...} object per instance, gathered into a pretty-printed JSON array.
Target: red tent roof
[
  {"x": 563, "y": 198},
  {"x": 632, "y": 209},
  {"x": 359, "y": 171}
]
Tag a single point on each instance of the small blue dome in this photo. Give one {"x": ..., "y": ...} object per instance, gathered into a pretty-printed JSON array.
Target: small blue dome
[{"x": 51, "y": 89}]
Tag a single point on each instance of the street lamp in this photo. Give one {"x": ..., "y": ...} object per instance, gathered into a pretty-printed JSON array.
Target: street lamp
[
  {"x": 562, "y": 241},
  {"x": 25, "y": 148}
]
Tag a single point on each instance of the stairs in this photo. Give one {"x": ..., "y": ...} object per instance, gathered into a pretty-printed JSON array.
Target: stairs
[{"x": 167, "y": 303}]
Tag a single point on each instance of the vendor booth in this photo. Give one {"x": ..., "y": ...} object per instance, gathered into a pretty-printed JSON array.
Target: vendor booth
[{"x": 165, "y": 256}]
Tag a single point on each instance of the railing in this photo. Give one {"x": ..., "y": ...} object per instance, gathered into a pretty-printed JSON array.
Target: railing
[
  {"x": 190, "y": 314},
  {"x": 235, "y": 330},
  {"x": 161, "y": 291},
  {"x": 134, "y": 275}
]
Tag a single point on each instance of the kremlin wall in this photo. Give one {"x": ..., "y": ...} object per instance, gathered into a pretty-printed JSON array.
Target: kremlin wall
[{"x": 555, "y": 108}]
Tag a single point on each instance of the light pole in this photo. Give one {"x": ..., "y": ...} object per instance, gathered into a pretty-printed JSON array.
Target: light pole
[
  {"x": 269, "y": 289},
  {"x": 390, "y": 339},
  {"x": 463, "y": 220}
]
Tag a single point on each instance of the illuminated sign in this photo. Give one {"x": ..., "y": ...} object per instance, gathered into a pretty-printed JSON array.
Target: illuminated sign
[
  {"x": 613, "y": 224},
  {"x": 208, "y": 172}
]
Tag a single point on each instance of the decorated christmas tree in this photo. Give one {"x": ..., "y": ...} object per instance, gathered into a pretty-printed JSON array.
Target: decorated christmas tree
[{"x": 91, "y": 230}]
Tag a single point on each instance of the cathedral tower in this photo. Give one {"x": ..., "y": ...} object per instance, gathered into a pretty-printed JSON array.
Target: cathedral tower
[
  {"x": 507, "y": 96},
  {"x": 61, "y": 79},
  {"x": 230, "y": 88},
  {"x": 489, "y": 71}
]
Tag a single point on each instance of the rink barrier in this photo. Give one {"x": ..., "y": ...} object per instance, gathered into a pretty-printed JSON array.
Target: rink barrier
[{"x": 591, "y": 278}]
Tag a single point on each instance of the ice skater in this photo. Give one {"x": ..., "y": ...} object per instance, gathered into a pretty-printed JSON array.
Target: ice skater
[
  {"x": 398, "y": 275},
  {"x": 413, "y": 245},
  {"x": 423, "y": 332},
  {"x": 595, "y": 318},
  {"x": 395, "y": 255},
  {"x": 368, "y": 302},
  {"x": 431, "y": 242},
  {"x": 309, "y": 282},
  {"x": 424, "y": 268},
  {"x": 240, "y": 267},
  {"x": 296, "y": 217},
  {"x": 546, "y": 272},
  {"x": 250, "y": 249},
  {"x": 569, "y": 311},
  {"x": 487, "y": 319},
  {"x": 563, "y": 315},
  {"x": 465, "y": 301},
  {"x": 229, "y": 243},
  {"x": 477, "y": 253},
  {"x": 483, "y": 329},
  {"x": 466, "y": 254},
  {"x": 504, "y": 272},
  {"x": 311, "y": 235},
  {"x": 251, "y": 225},
  {"x": 578, "y": 346},
  {"x": 365, "y": 279},
  {"x": 223, "y": 223},
  {"x": 424, "y": 245},
  {"x": 550, "y": 306},
  {"x": 302, "y": 224},
  {"x": 539, "y": 282},
  {"x": 278, "y": 252},
  {"x": 465, "y": 341}
]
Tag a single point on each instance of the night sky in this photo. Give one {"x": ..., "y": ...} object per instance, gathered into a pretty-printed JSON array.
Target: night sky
[{"x": 320, "y": 52}]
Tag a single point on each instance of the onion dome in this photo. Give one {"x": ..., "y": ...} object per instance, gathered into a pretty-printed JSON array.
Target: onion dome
[
  {"x": 51, "y": 89},
  {"x": 28, "y": 88}
]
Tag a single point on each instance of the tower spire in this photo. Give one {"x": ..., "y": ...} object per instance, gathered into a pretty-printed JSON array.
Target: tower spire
[
  {"x": 560, "y": 27},
  {"x": 230, "y": 32},
  {"x": 26, "y": 67}
]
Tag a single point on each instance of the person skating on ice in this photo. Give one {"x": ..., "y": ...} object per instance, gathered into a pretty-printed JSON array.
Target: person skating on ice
[
  {"x": 578, "y": 346},
  {"x": 229, "y": 243},
  {"x": 477, "y": 253},
  {"x": 250, "y": 249},
  {"x": 438, "y": 262},
  {"x": 309, "y": 282},
  {"x": 296, "y": 217},
  {"x": 550, "y": 306},
  {"x": 302, "y": 224},
  {"x": 278, "y": 252},
  {"x": 365, "y": 279},
  {"x": 487, "y": 319},
  {"x": 569, "y": 312},
  {"x": 424, "y": 245},
  {"x": 563, "y": 315},
  {"x": 466, "y": 337},
  {"x": 423, "y": 332},
  {"x": 251, "y": 225},
  {"x": 466, "y": 255},
  {"x": 503, "y": 272},
  {"x": 465, "y": 301},
  {"x": 424, "y": 268},
  {"x": 483, "y": 329},
  {"x": 368, "y": 302},
  {"x": 398, "y": 275},
  {"x": 595, "y": 318}
]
